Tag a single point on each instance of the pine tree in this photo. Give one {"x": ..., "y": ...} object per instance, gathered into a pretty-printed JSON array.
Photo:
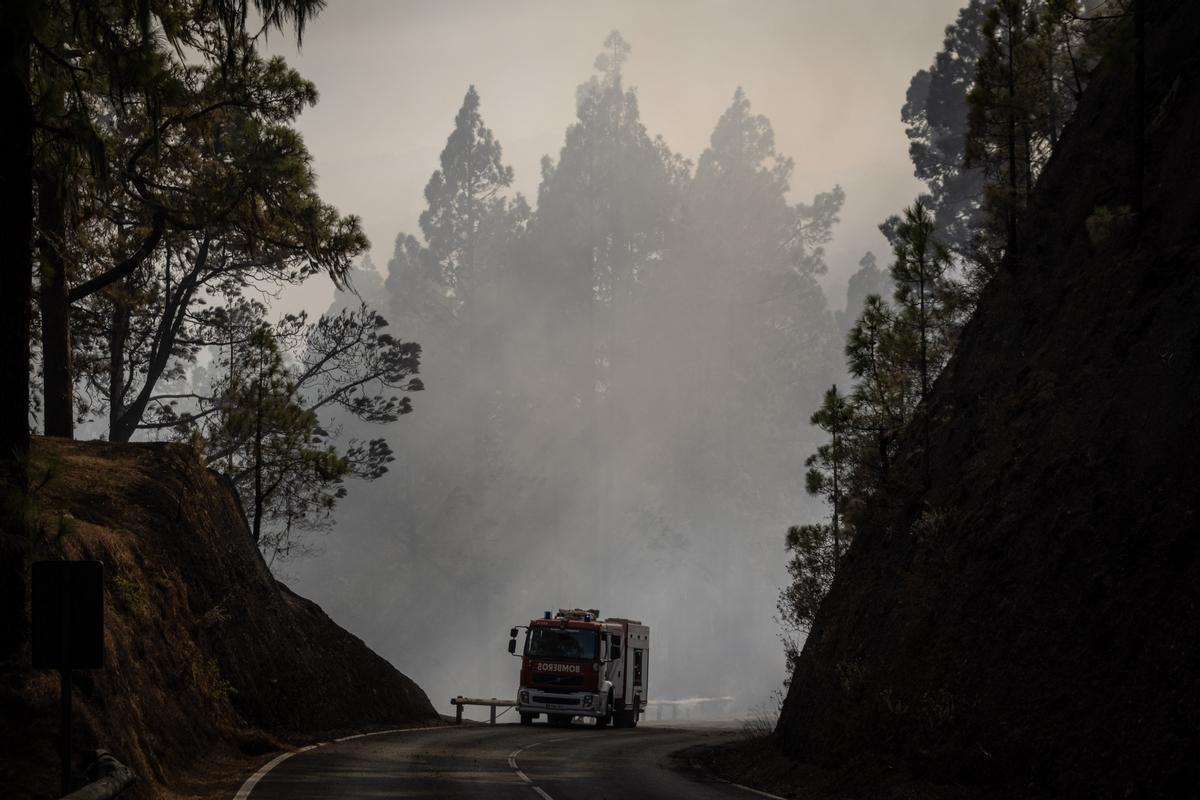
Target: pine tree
[
  {"x": 928, "y": 301},
  {"x": 462, "y": 197},
  {"x": 281, "y": 468},
  {"x": 236, "y": 186},
  {"x": 258, "y": 409},
  {"x": 467, "y": 223},
  {"x": 828, "y": 466},
  {"x": 419, "y": 302},
  {"x": 599, "y": 237},
  {"x": 935, "y": 115},
  {"x": 811, "y": 568},
  {"x": 1002, "y": 124},
  {"x": 816, "y": 550},
  {"x": 750, "y": 259},
  {"x": 868, "y": 280},
  {"x": 883, "y": 398}
]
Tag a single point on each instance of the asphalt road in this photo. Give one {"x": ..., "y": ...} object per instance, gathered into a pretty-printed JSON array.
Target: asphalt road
[{"x": 502, "y": 761}]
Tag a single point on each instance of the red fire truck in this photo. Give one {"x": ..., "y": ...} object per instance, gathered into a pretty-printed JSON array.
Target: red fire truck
[{"x": 574, "y": 664}]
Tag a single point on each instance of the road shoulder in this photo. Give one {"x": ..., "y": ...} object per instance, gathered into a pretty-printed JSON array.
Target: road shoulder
[
  {"x": 222, "y": 773},
  {"x": 754, "y": 762}
]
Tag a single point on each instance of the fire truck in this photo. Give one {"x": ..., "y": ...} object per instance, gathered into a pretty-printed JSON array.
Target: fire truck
[{"x": 574, "y": 664}]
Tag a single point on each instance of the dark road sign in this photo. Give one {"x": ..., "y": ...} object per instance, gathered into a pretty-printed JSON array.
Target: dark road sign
[
  {"x": 68, "y": 630},
  {"x": 68, "y": 614}
]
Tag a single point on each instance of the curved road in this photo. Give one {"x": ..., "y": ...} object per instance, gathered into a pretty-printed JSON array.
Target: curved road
[{"x": 502, "y": 761}]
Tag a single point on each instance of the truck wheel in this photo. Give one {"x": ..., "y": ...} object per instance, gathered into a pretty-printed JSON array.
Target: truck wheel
[
  {"x": 602, "y": 722},
  {"x": 527, "y": 719}
]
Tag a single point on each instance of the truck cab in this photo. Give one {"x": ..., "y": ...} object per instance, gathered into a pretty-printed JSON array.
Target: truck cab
[{"x": 574, "y": 664}]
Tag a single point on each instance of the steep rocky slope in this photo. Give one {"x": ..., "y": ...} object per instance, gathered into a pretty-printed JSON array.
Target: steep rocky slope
[
  {"x": 1032, "y": 621},
  {"x": 204, "y": 651}
]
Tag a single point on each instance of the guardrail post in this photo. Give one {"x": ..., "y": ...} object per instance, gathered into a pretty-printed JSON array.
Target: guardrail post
[{"x": 493, "y": 702}]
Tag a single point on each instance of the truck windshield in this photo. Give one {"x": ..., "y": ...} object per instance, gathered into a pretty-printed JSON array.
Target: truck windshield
[{"x": 561, "y": 643}]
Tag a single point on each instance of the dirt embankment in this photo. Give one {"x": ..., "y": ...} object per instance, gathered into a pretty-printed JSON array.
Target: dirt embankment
[
  {"x": 1031, "y": 623},
  {"x": 207, "y": 657}
]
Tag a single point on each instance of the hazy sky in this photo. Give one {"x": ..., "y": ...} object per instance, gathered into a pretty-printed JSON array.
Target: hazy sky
[{"x": 831, "y": 77}]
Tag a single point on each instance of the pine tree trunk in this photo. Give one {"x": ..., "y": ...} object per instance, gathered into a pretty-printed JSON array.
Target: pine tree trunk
[
  {"x": 16, "y": 296},
  {"x": 1011, "y": 142},
  {"x": 591, "y": 406},
  {"x": 837, "y": 496},
  {"x": 882, "y": 437},
  {"x": 258, "y": 456},
  {"x": 620, "y": 267},
  {"x": 477, "y": 385},
  {"x": 1028, "y": 159},
  {"x": 118, "y": 335},
  {"x": 1139, "y": 107},
  {"x": 882, "y": 444},
  {"x": 924, "y": 340},
  {"x": 924, "y": 380},
  {"x": 52, "y": 302}
]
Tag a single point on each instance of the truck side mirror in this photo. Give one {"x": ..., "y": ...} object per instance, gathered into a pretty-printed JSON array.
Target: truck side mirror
[
  {"x": 512, "y": 646},
  {"x": 512, "y": 633}
]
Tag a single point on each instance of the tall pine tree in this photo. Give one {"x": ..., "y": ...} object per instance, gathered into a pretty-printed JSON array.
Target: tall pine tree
[
  {"x": 465, "y": 224},
  {"x": 935, "y": 114},
  {"x": 603, "y": 210},
  {"x": 928, "y": 300},
  {"x": 751, "y": 259},
  {"x": 463, "y": 198}
]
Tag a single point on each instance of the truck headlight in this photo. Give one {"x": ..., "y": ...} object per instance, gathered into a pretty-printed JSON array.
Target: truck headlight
[
  {"x": 587, "y": 701},
  {"x": 523, "y": 697}
]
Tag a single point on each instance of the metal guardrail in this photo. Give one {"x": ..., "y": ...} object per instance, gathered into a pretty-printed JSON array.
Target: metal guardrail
[
  {"x": 110, "y": 778},
  {"x": 689, "y": 701},
  {"x": 685, "y": 703},
  {"x": 460, "y": 701}
]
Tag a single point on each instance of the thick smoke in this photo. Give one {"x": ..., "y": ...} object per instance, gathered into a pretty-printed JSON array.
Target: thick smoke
[{"x": 618, "y": 385}]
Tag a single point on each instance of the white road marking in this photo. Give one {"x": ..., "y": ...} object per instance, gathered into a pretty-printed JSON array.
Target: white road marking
[
  {"x": 757, "y": 792},
  {"x": 382, "y": 733},
  {"x": 512, "y": 762},
  {"x": 750, "y": 790},
  {"x": 253, "y": 780},
  {"x": 247, "y": 787}
]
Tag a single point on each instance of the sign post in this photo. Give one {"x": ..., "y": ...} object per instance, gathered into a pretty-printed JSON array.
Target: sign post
[{"x": 68, "y": 630}]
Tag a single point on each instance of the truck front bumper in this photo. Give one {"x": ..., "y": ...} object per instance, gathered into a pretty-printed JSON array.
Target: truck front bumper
[{"x": 539, "y": 701}]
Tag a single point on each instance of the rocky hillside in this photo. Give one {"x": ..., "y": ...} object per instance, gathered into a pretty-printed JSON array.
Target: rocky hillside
[
  {"x": 1032, "y": 621},
  {"x": 204, "y": 651}
]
